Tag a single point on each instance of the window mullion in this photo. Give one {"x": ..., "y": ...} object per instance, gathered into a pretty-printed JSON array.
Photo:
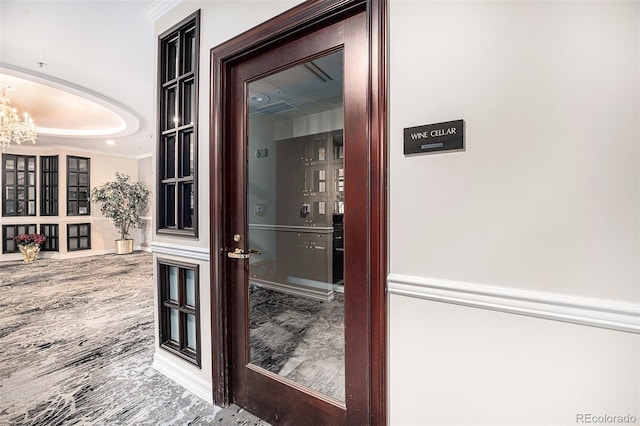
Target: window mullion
[
  {"x": 178, "y": 57},
  {"x": 181, "y": 322}
]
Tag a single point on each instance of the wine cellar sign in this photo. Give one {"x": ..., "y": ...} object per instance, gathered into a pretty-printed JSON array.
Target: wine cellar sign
[{"x": 447, "y": 136}]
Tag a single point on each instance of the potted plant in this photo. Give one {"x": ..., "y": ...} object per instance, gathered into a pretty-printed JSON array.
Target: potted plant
[
  {"x": 29, "y": 245},
  {"x": 121, "y": 201}
]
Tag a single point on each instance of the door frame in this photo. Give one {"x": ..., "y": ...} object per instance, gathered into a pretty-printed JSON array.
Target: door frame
[{"x": 305, "y": 18}]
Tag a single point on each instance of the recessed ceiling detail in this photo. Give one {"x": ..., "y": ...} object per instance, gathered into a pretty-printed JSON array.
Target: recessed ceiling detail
[
  {"x": 276, "y": 108},
  {"x": 61, "y": 109}
]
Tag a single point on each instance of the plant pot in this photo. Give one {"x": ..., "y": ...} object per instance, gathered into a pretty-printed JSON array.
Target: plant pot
[
  {"x": 124, "y": 246},
  {"x": 29, "y": 252}
]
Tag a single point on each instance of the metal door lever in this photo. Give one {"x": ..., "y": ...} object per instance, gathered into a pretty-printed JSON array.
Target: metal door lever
[{"x": 239, "y": 254}]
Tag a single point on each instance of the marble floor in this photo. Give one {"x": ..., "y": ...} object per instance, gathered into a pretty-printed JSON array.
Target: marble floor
[
  {"x": 299, "y": 338},
  {"x": 77, "y": 343}
]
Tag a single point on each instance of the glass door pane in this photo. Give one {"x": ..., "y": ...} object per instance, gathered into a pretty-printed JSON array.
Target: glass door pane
[{"x": 294, "y": 210}]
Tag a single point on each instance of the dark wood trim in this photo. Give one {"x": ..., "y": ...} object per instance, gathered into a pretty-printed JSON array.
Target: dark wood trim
[
  {"x": 377, "y": 27},
  {"x": 299, "y": 20}
]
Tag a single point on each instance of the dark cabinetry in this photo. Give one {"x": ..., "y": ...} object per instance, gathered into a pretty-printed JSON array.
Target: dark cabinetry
[
  {"x": 310, "y": 179},
  {"x": 310, "y": 199},
  {"x": 338, "y": 248}
]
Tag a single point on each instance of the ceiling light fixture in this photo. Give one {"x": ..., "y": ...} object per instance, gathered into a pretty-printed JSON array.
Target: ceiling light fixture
[
  {"x": 111, "y": 142},
  {"x": 258, "y": 98},
  {"x": 12, "y": 129}
]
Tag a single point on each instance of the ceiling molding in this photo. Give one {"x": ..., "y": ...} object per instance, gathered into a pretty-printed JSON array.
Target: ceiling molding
[
  {"x": 74, "y": 47},
  {"x": 67, "y": 149},
  {"x": 145, "y": 155},
  {"x": 131, "y": 120},
  {"x": 159, "y": 8}
]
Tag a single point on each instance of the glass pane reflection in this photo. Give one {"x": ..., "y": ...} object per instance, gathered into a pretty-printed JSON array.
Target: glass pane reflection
[
  {"x": 191, "y": 287},
  {"x": 174, "y": 331},
  {"x": 173, "y": 283},
  {"x": 191, "y": 331},
  {"x": 294, "y": 209}
]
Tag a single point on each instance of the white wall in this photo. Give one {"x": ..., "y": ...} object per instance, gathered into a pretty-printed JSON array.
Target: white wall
[
  {"x": 453, "y": 365},
  {"x": 261, "y": 186},
  {"x": 103, "y": 170},
  {"x": 538, "y": 216},
  {"x": 146, "y": 175},
  {"x": 543, "y": 203},
  {"x": 546, "y": 195}
]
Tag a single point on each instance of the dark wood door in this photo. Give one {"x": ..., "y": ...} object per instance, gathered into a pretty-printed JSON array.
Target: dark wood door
[{"x": 339, "y": 221}]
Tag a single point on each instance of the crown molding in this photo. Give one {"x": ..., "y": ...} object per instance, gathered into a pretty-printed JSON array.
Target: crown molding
[
  {"x": 67, "y": 149},
  {"x": 159, "y": 8}
]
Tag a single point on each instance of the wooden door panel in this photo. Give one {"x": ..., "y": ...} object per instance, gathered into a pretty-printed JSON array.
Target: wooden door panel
[{"x": 268, "y": 395}]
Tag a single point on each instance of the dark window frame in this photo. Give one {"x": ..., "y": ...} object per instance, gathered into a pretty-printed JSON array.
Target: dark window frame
[
  {"x": 53, "y": 238},
  {"x": 78, "y": 236},
  {"x": 49, "y": 185},
  {"x": 29, "y": 229},
  {"x": 17, "y": 187},
  {"x": 178, "y": 69},
  {"x": 178, "y": 348},
  {"x": 75, "y": 211}
]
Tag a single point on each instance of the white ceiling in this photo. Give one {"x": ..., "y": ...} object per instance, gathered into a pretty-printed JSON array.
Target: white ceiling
[
  {"x": 97, "y": 79},
  {"x": 311, "y": 87}
]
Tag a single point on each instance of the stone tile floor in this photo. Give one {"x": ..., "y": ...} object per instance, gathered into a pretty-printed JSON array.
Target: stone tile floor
[{"x": 77, "y": 344}]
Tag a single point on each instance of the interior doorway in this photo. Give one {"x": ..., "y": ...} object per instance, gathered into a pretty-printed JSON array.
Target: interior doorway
[
  {"x": 295, "y": 205},
  {"x": 299, "y": 215}
]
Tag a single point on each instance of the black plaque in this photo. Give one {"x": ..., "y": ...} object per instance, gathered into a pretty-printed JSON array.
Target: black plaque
[{"x": 445, "y": 136}]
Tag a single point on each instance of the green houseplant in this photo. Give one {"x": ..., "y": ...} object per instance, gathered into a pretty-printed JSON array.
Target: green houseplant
[{"x": 121, "y": 201}]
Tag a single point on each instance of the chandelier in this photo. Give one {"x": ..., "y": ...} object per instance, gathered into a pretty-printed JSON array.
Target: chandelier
[{"x": 12, "y": 128}]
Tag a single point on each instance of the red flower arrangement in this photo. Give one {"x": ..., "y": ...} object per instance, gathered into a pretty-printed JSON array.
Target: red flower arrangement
[{"x": 26, "y": 239}]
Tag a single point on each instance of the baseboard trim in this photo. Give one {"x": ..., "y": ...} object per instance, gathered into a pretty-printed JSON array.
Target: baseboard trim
[
  {"x": 184, "y": 377},
  {"x": 64, "y": 255},
  {"x": 323, "y": 295},
  {"x": 69, "y": 254},
  {"x": 197, "y": 253},
  {"x": 602, "y": 313}
]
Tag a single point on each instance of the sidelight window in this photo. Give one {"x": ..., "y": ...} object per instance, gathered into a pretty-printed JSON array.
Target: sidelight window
[
  {"x": 49, "y": 185},
  {"x": 78, "y": 173},
  {"x": 177, "y": 144},
  {"x": 19, "y": 185},
  {"x": 78, "y": 236},
  {"x": 51, "y": 231},
  {"x": 179, "y": 309},
  {"x": 9, "y": 232}
]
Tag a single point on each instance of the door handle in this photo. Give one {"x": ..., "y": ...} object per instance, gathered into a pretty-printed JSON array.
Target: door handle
[{"x": 238, "y": 253}]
